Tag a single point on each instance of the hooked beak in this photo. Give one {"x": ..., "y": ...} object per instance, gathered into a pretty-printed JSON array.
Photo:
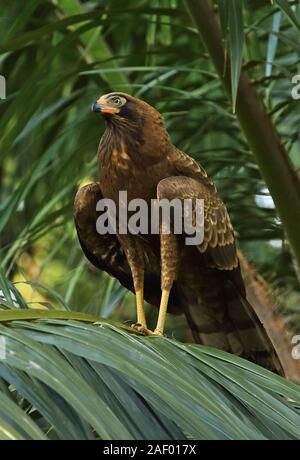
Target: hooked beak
[
  {"x": 103, "y": 107},
  {"x": 96, "y": 107}
]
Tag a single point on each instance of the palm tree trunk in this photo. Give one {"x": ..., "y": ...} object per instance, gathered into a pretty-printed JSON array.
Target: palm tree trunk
[
  {"x": 260, "y": 296},
  {"x": 261, "y": 134}
]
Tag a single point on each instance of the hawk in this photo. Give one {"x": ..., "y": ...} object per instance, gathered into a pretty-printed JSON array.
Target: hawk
[{"x": 202, "y": 281}]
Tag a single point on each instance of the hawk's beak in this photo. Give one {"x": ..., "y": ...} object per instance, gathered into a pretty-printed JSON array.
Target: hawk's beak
[
  {"x": 103, "y": 107},
  {"x": 96, "y": 107}
]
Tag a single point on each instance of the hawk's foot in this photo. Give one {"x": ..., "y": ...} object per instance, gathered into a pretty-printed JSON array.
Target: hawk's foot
[
  {"x": 158, "y": 332},
  {"x": 141, "y": 328}
]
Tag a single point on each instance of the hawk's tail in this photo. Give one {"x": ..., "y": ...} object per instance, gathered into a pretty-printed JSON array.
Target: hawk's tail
[{"x": 226, "y": 320}]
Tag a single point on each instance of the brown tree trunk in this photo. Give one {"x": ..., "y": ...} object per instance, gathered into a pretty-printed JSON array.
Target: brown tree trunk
[
  {"x": 257, "y": 126},
  {"x": 259, "y": 294}
]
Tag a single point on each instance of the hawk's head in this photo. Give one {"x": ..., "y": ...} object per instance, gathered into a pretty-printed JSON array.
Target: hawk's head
[
  {"x": 112, "y": 104},
  {"x": 123, "y": 107},
  {"x": 133, "y": 121}
]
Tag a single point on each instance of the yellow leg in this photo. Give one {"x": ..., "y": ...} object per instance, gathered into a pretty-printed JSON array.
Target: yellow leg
[
  {"x": 159, "y": 330},
  {"x": 141, "y": 324},
  {"x": 141, "y": 319}
]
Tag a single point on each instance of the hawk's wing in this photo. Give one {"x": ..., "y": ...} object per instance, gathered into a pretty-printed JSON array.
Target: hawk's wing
[
  {"x": 218, "y": 243},
  {"x": 105, "y": 251},
  {"x": 214, "y": 297}
]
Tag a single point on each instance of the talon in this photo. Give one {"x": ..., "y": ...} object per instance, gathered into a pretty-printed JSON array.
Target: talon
[
  {"x": 141, "y": 328},
  {"x": 158, "y": 332},
  {"x": 137, "y": 326}
]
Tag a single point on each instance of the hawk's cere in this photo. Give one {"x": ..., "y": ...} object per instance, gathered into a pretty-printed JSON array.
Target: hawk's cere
[{"x": 135, "y": 154}]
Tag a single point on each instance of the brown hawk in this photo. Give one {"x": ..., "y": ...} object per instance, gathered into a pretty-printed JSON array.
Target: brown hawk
[{"x": 135, "y": 155}]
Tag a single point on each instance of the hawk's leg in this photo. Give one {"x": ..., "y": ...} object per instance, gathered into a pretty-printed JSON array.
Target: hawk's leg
[
  {"x": 169, "y": 255},
  {"x": 135, "y": 259},
  {"x": 169, "y": 266}
]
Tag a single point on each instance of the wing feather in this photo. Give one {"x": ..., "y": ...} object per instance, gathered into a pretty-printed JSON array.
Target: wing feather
[{"x": 219, "y": 242}]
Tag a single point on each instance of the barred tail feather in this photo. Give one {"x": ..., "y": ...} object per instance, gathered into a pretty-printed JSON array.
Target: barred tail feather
[
  {"x": 257, "y": 344},
  {"x": 230, "y": 323}
]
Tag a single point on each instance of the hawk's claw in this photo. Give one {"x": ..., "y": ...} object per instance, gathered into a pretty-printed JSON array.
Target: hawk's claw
[
  {"x": 158, "y": 332},
  {"x": 141, "y": 328},
  {"x": 144, "y": 330}
]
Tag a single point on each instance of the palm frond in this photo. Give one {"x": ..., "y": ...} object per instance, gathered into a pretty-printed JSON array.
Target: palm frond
[{"x": 113, "y": 384}]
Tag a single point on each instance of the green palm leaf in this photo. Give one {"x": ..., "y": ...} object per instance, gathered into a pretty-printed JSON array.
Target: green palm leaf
[
  {"x": 113, "y": 381},
  {"x": 68, "y": 373}
]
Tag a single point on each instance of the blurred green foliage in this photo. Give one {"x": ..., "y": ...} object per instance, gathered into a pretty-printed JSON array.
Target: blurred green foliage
[{"x": 58, "y": 57}]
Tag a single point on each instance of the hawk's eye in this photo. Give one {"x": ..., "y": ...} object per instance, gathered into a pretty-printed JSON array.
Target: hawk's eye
[{"x": 117, "y": 101}]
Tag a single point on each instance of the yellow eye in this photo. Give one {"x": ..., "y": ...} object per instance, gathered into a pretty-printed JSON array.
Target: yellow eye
[{"x": 117, "y": 101}]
